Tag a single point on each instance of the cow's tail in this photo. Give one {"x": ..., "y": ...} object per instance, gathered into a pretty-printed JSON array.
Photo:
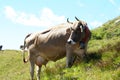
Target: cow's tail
[
  {"x": 24, "y": 46},
  {"x": 23, "y": 49}
]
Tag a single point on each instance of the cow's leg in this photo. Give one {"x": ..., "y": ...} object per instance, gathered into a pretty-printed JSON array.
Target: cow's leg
[
  {"x": 38, "y": 70},
  {"x": 84, "y": 51},
  {"x": 39, "y": 62},
  {"x": 32, "y": 66},
  {"x": 70, "y": 57},
  {"x": 86, "y": 57},
  {"x": 82, "y": 54}
]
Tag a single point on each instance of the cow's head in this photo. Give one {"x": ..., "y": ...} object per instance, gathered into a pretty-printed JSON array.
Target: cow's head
[{"x": 77, "y": 31}]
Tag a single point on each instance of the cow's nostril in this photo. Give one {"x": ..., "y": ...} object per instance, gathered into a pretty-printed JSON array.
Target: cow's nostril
[{"x": 69, "y": 42}]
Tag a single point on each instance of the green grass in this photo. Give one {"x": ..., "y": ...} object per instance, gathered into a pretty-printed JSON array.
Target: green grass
[{"x": 12, "y": 68}]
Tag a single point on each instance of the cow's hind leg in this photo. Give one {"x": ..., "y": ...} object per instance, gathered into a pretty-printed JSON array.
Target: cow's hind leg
[
  {"x": 38, "y": 70},
  {"x": 32, "y": 66},
  {"x": 39, "y": 62}
]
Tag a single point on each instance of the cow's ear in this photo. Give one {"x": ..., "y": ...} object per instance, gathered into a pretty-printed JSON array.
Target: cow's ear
[{"x": 68, "y": 30}]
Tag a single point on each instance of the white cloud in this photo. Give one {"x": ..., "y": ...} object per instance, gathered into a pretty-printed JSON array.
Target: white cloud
[
  {"x": 95, "y": 24},
  {"x": 46, "y": 18},
  {"x": 10, "y": 13}
]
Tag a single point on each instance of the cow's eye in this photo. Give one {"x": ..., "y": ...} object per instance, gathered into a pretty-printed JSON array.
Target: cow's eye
[{"x": 72, "y": 29}]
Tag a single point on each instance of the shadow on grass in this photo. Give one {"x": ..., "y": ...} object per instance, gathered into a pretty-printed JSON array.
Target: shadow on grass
[
  {"x": 93, "y": 56},
  {"x": 89, "y": 57}
]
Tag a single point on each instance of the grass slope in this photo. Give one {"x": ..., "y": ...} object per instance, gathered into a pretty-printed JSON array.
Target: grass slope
[
  {"x": 12, "y": 67},
  {"x": 103, "y": 60}
]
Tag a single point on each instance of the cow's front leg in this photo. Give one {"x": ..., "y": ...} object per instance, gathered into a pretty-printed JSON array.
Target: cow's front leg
[
  {"x": 70, "y": 59},
  {"x": 38, "y": 70},
  {"x": 70, "y": 56},
  {"x": 32, "y": 65}
]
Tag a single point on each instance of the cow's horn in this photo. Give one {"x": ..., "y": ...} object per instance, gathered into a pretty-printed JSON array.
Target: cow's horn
[
  {"x": 69, "y": 21},
  {"x": 81, "y": 28},
  {"x": 77, "y": 18}
]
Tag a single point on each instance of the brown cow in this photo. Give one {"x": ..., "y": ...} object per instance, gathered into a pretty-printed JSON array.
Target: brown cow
[{"x": 50, "y": 45}]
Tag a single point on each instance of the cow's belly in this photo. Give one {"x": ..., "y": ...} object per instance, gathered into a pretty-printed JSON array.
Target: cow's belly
[{"x": 52, "y": 53}]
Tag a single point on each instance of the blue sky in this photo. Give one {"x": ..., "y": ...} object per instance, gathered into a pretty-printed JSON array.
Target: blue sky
[{"x": 20, "y": 17}]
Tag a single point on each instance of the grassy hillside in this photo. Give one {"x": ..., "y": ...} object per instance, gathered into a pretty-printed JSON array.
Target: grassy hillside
[
  {"x": 108, "y": 30},
  {"x": 102, "y": 63},
  {"x": 12, "y": 67}
]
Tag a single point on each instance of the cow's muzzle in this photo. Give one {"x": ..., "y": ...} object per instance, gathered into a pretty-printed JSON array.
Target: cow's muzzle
[{"x": 70, "y": 41}]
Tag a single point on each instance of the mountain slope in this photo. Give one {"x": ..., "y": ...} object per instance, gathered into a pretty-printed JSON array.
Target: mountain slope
[
  {"x": 108, "y": 30},
  {"x": 107, "y": 36}
]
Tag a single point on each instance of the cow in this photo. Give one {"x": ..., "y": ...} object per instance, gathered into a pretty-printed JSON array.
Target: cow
[{"x": 50, "y": 45}]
